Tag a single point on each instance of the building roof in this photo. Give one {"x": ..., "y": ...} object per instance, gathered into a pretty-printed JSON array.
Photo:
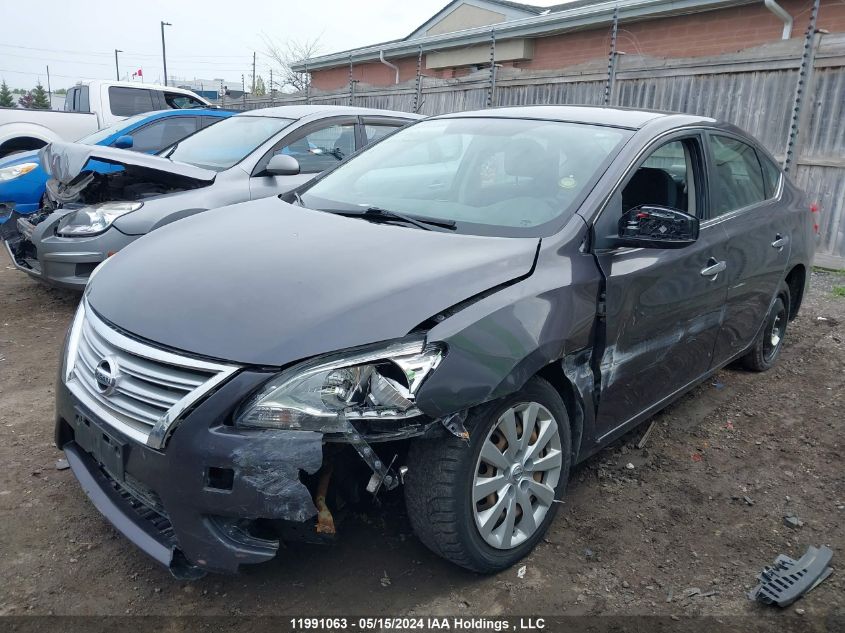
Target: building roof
[{"x": 580, "y": 14}]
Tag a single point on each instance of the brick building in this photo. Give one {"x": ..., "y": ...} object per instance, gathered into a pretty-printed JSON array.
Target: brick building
[{"x": 456, "y": 40}]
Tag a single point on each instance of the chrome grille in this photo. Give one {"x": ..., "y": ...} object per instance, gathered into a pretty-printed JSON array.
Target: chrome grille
[{"x": 151, "y": 386}]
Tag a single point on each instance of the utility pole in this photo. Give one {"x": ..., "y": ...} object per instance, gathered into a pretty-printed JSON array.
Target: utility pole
[
  {"x": 116, "y": 67},
  {"x": 253, "y": 73},
  {"x": 243, "y": 90},
  {"x": 163, "y": 50},
  {"x": 49, "y": 90}
]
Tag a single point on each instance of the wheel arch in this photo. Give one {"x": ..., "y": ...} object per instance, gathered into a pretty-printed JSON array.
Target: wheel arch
[
  {"x": 555, "y": 375},
  {"x": 21, "y": 143},
  {"x": 796, "y": 279}
]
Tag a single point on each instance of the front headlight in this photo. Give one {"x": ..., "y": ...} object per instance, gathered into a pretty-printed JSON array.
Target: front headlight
[
  {"x": 94, "y": 219},
  {"x": 15, "y": 171},
  {"x": 320, "y": 395}
]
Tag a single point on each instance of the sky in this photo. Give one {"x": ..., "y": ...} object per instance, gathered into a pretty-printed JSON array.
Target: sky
[{"x": 207, "y": 40}]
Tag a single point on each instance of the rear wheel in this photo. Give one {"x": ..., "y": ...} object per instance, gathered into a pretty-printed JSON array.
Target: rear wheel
[
  {"x": 769, "y": 342},
  {"x": 486, "y": 505}
]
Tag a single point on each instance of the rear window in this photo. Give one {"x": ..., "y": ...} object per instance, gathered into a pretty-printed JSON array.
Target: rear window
[
  {"x": 129, "y": 101},
  {"x": 76, "y": 100}
]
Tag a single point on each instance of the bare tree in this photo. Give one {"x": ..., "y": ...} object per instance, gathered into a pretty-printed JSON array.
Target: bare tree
[{"x": 285, "y": 56}]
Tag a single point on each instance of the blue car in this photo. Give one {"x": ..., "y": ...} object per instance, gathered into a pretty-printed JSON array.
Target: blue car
[{"x": 22, "y": 180}]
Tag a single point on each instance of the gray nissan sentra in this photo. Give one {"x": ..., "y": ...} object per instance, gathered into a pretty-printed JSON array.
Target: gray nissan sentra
[{"x": 459, "y": 314}]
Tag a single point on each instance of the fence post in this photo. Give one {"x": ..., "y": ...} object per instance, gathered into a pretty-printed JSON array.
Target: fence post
[
  {"x": 611, "y": 59},
  {"x": 803, "y": 86},
  {"x": 351, "y": 83},
  {"x": 307, "y": 86},
  {"x": 418, "y": 87},
  {"x": 491, "y": 93}
]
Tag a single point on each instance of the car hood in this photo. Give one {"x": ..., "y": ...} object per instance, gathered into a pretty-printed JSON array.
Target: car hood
[
  {"x": 65, "y": 161},
  {"x": 268, "y": 283}
]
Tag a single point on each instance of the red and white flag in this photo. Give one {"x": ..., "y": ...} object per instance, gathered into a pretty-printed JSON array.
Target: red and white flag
[{"x": 138, "y": 73}]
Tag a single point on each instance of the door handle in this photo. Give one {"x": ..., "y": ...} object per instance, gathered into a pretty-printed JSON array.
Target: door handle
[
  {"x": 713, "y": 268},
  {"x": 779, "y": 242}
]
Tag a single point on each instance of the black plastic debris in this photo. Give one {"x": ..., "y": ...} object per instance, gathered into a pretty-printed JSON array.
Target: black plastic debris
[{"x": 789, "y": 579}]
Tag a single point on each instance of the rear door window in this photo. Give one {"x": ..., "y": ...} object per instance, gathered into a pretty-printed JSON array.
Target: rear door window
[
  {"x": 771, "y": 175},
  {"x": 737, "y": 175},
  {"x": 373, "y": 133},
  {"x": 129, "y": 101},
  {"x": 163, "y": 133}
]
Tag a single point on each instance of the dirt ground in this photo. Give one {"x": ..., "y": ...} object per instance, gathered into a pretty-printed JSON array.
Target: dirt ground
[{"x": 683, "y": 532}]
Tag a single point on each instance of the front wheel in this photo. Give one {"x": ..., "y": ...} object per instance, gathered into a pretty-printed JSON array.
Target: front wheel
[
  {"x": 769, "y": 341},
  {"x": 485, "y": 505}
]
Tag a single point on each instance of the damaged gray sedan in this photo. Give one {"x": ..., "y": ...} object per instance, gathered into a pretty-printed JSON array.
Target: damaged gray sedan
[
  {"x": 130, "y": 194},
  {"x": 459, "y": 315}
]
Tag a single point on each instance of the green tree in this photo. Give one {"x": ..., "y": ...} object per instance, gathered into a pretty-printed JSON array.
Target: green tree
[
  {"x": 40, "y": 100},
  {"x": 260, "y": 90},
  {"x": 6, "y": 98}
]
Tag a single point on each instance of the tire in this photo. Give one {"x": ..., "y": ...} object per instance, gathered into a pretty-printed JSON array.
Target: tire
[
  {"x": 769, "y": 342},
  {"x": 444, "y": 473}
]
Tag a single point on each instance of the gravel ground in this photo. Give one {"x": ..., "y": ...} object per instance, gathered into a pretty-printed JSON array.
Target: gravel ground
[{"x": 683, "y": 532}]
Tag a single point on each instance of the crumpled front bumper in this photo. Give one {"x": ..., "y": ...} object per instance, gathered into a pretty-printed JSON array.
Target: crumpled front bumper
[
  {"x": 194, "y": 505},
  {"x": 63, "y": 262}
]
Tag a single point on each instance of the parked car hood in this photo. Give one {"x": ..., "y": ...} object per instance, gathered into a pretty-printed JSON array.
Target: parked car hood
[
  {"x": 65, "y": 161},
  {"x": 268, "y": 283}
]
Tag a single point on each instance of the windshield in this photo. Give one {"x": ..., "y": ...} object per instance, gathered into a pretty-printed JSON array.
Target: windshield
[
  {"x": 492, "y": 176},
  {"x": 101, "y": 135},
  {"x": 226, "y": 143}
]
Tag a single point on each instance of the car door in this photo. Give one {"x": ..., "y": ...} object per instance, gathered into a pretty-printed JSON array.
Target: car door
[
  {"x": 746, "y": 204},
  {"x": 317, "y": 146},
  {"x": 162, "y": 133},
  {"x": 663, "y": 307}
]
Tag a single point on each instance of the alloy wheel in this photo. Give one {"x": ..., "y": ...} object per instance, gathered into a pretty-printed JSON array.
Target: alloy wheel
[
  {"x": 774, "y": 337},
  {"x": 516, "y": 474}
]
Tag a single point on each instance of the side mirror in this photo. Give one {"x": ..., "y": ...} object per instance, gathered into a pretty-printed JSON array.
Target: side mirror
[
  {"x": 651, "y": 226},
  {"x": 124, "y": 142},
  {"x": 282, "y": 165}
]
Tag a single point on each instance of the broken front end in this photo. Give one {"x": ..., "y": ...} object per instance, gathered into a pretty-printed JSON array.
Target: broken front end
[
  {"x": 90, "y": 189},
  {"x": 209, "y": 466}
]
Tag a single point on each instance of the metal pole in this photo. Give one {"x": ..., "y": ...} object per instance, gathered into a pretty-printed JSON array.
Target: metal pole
[
  {"x": 418, "y": 86},
  {"x": 243, "y": 89},
  {"x": 49, "y": 89},
  {"x": 351, "y": 83},
  {"x": 116, "y": 67},
  {"x": 802, "y": 86},
  {"x": 253, "y": 72},
  {"x": 307, "y": 86},
  {"x": 611, "y": 59},
  {"x": 491, "y": 92},
  {"x": 163, "y": 50}
]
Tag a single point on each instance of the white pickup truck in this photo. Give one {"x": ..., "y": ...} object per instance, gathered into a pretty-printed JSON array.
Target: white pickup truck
[{"x": 89, "y": 106}]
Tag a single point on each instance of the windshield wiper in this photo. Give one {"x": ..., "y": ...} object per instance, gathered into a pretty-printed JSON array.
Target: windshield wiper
[
  {"x": 418, "y": 221},
  {"x": 172, "y": 149}
]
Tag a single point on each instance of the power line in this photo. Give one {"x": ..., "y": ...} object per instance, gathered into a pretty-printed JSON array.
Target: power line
[{"x": 109, "y": 54}]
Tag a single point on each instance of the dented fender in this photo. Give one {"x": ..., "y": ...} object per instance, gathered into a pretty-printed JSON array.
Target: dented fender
[{"x": 496, "y": 344}]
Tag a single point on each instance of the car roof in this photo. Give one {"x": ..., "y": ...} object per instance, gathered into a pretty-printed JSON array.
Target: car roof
[
  {"x": 303, "y": 111},
  {"x": 597, "y": 115},
  {"x": 158, "y": 114}
]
